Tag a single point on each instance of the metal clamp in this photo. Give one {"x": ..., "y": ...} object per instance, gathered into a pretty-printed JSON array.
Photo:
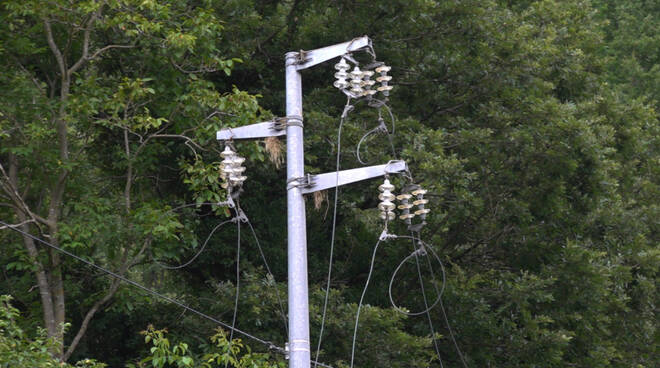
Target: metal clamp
[{"x": 303, "y": 181}]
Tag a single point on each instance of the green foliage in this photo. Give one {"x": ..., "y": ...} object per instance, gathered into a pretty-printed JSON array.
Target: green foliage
[
  {"x": 225, "y": 354},
  {"x": 19, "y": 349},
  {"x": 534, "y": 124}
]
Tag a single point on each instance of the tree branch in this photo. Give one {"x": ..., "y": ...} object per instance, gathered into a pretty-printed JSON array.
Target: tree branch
[{"x": 54, "y": 48}]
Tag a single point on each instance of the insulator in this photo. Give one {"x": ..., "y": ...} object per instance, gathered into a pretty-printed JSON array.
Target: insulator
[
  {"x": 386, "y": 186},
  {"x": 407, "y": 216},
  {"x": 387, "y": 215},
  {"x": 342, "y": 65},
  {"x": 386, "y": 196},
  {"x": 237, "y": 160},
  {"x": 227, "y": 152},
  {"x": 419, "y": 191},
  {"x": 420, "y": 201},
  {"x": 404, "y": 196},
  {"x": 406, "y": 206},
  {"x": 341, "y": 84},
  {"x": 422, "y": 212},
  {"x": 238, "y": 170},
  {"x": 386, "y": 206},
  {"x": 383, "y": 69},
  {"x": 383, "y": 79},
  {"x": 356, "y": 74},
  {"x": 341, "y": 75}
]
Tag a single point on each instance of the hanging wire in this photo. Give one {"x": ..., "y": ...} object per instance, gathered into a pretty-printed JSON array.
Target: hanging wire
[
  {"x": 442, "y": 308},
  {"x": 426, "y": 303},
  {"x": 364, "y": 291},
  {"x": 238, "y": 282},
  {"x": 270, "y": 273},
  {"x": 347, "y": 108},
  {"x": 415, "y": 253},
  {"x": 269, "y": 344},
  {"x": 201, "y": 250}
]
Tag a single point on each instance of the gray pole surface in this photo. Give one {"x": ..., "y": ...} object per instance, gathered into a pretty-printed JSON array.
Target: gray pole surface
[{"x": 299, "y": 350}]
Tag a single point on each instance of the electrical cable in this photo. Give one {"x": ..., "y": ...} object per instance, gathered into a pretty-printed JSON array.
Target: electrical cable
[
  {"x": 277, "y": 291},
  {"x": 269, "y": 344},
  {"x": 444, "y": 312},
  {"x": 439, "y": 292},
  {"x": 347, "y": 109},
  {"x": 364, "y": 291},
  {"x": 238, "y": 282},
  {"x": 426, "y": 303},
  {"x": 198, "y": 252}
]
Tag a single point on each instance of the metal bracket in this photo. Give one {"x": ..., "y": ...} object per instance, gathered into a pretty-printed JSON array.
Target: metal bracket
[
  {"x": 333, "y": 179},
  {"x": 253, "y": 131},
  {"x": 313, "y": 57},
  {"x": 301, "y": 182}
]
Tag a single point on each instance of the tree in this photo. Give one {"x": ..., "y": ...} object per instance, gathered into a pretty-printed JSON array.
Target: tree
[{"x": 95, "y": 91}]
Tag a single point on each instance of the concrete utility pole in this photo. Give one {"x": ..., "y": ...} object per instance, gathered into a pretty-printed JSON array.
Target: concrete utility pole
[{"x": 298, "y": 184}]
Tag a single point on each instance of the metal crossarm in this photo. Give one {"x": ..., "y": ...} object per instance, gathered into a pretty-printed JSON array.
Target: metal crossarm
[{"x": 332, "y": 179}]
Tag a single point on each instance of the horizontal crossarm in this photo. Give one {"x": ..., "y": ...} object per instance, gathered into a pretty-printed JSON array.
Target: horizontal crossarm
[{"x": 330, "y": 180}]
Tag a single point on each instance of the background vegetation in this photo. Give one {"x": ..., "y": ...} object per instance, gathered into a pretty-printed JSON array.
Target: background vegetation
[{"x": 534, "y": 124}]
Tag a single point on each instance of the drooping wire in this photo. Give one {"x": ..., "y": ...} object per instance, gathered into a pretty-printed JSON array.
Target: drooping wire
[
  {"x": 426, "y": 303},
  {"x": 269, "y": 344},
  {"x": 415, "y": 253},
  {"x": 201, "y": 250},
  {"x": 442, "y": 307},
  {"x": 380, "y": 128},
  {"x": 270, "y": 273},
  {"x": 238, "y": 280},
  {"x": 364, "y": 291},
  {"x": 347, "y": 108}
]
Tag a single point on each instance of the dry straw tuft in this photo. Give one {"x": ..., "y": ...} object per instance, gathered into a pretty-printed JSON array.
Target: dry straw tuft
[
  {"x": 275, "y": 151},
  {"x": 320, "y": 197}
]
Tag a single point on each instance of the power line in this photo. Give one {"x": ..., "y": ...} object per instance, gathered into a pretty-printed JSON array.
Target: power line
[
  {"x": 426, "y": 303},
  {"x": 201, "y": 249},
  {"x": 364, "y": 291},
  {"x": 277, "y": 290},
  {"x": 269, "y": 344},
  {"x": 442, "y": 306},
  {"x": 238, "y": 283},
  {"x": 347, "y": 109}
]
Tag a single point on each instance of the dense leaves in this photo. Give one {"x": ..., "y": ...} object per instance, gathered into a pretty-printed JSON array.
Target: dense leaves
[{"x": 533, "y": 124}]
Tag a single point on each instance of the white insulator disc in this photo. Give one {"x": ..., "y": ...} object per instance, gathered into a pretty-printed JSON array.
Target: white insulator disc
[
  {"x": 403, "y": 196},
  {"x": 341, "y": 75},
  {"x": 405, "y": 206},
  {"x": 419, "y": 191},
  {"x": 369, "y": 92},
  {"x": 341, "y": 84},
  {"x": 368, "y": 83},
  {"x": 384, "y": 88},
  {"x": 422, "y": 212},
  {"x": 342, "y": 64},
  {"x": 386, "y": 196},
  {"x": 386, "y": 186},
  {"x": 384, "y": 78},
  {"x": 386, "y": 206},
  {"x": 407, "y": 216},
  {"x": 239, "y": 169},
  {"x": 420, "y": 201},
  {"x": 357, "y": 91},
  {"x": 237, "y": 161},
  {"x": 383, "y": 69},
  {"x": 227, "y": 152},
  {"x": 391, "y": 215},
  {"x": 356, "y": 73}
]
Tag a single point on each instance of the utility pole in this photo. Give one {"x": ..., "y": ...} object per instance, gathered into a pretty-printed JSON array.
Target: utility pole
[{"x": 299, "y": 184}]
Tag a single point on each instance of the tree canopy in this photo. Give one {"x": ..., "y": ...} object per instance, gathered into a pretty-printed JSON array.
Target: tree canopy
[{"x": 533, "y": 125}]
